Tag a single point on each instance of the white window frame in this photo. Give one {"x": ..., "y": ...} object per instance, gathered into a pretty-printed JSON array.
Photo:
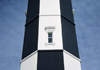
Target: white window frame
[{"x": 49, "y": 29}]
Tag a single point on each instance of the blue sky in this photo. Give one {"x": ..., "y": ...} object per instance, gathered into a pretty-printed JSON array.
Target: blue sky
[{"x": 12, "y": 21}]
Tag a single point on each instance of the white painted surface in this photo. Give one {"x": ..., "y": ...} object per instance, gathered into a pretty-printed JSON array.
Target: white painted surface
[
  {"x": 50, "y": 29},
  {"x": 49, "y": 7},
  {"x": 28, "y": 56},
  {"x": 71, "y": 55},
  {"x": 70, "y": 63},
  {"x": 30, "y": 63},
  {"x": 45, "y": 21}
]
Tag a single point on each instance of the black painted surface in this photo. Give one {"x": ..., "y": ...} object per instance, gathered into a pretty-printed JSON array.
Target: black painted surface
[
  {"x": 31, "y": 38},
  {"x": 69, "y": 37},
  {"x": 66, "y": 9},
  {"x": 33, "y": 10},
  {"x": 50, "y": 60}
]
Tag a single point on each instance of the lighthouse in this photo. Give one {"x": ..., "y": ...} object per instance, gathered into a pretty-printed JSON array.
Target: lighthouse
[{"x": 50, "y": 39}]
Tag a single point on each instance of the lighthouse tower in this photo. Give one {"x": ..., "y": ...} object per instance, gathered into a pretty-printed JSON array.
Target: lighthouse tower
[{"x": 50, "y": 39}]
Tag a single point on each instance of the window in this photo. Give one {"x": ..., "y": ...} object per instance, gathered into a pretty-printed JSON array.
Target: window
[
  {"x": 50, "y": 38},
  {"x": 49, "y": 35}
]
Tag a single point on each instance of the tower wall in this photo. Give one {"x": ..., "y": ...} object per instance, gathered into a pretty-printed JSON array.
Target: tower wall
[
  {"x": 45, "y": 21},
  {"x": 50, "y": 40},
  {"x": 66, "y": 10},
  {"x": 32, "y": 10},
  {"x": 30, "y": 38},
  {"x": 69, "y": 37},
  {"x": 30, "y": 62},
  {"x": 71, "y": 62},
  {"x": 50, "y": 60},
  {"x": 49, "y": 7}
]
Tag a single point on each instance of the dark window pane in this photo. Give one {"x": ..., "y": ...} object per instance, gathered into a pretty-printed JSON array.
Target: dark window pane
[
  {"x": 49, "y": 34},
  {"x": 50, "y": 40}
]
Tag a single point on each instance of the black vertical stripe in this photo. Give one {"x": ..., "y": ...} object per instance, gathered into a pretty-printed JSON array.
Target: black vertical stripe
[
  {"x": 50, "y": 60},
  {"x": 33, "y": 10},
  {"x": 69, "y": 37},
  {"x": 31, "y": 38},
  {"x": 66, "y": 9}
]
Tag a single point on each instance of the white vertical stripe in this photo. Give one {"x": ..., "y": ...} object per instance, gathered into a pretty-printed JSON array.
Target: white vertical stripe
[
  {"x": 48, "y": 7},
  {"x": 71, "y": 63},
  {"x": 30, "y": 63},
  {"x": 45, "y": 21}
]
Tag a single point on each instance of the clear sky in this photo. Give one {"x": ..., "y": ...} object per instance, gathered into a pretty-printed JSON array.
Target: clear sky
[{"x": 12, "y": 21}]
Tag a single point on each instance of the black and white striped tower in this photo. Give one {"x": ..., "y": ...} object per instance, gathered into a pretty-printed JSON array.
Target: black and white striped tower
[{"x": 50, "y": 39}]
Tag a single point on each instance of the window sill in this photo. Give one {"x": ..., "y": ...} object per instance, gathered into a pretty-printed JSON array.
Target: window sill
[{"x": 49, "y": 44}]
